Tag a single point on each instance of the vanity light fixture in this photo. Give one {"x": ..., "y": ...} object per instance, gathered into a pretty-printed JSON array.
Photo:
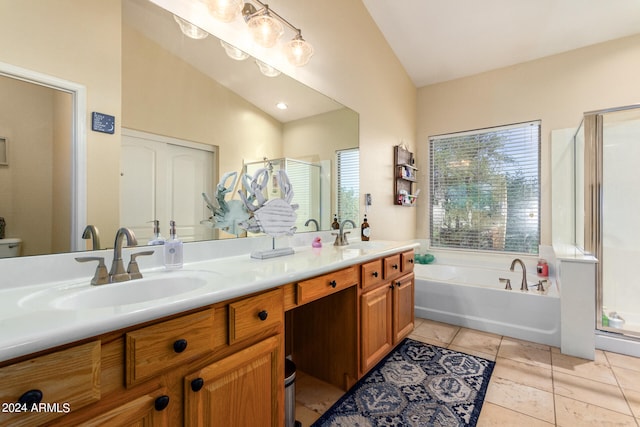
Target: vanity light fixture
[
  {"x": 190, "y": 30},
  {"x": 224, "y": 10},
  {"x": 265, "y": 25},
  {"x": 233, "y": 52}
]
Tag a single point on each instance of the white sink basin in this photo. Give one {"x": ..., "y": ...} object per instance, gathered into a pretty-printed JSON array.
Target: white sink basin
[{"x": 78, "y": 297}]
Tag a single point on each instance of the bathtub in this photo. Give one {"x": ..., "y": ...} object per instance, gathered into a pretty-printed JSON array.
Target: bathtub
[{"x": 472, "y": 296}]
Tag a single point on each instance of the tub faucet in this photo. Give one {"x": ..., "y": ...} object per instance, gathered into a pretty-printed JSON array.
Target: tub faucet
[
  {"x": 523, "y": 286},
  {"x": 311, "y": 220},
  {"x": 117, "y": 272},
  {"x": 341, "y": 237},
  {"x": 91, "y": 232}
]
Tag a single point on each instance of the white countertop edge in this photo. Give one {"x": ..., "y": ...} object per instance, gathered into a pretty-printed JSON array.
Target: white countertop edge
[{"x": 36, "y": 336}]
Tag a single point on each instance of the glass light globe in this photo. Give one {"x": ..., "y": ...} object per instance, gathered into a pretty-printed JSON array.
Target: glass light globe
[
  {"x": 298, "y": 51},
  {"x": 265, "y": 30},
  {"x": 190, "y": 30},
  {"x": 267, "y": 69},
  {"x": 233, "y": 52},
  {"x": 224, "y": 10}
]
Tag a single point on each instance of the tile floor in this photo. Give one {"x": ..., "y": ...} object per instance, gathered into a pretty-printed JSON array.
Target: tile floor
[{"x": 532, "y": 384}]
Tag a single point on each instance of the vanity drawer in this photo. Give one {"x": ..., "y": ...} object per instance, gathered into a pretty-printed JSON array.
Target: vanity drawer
[
  {"x": 407, "y": 261},
  {"x": 392, "y": 267},
  {"x": 372, "y": 274},
  {"x": 253, "y": 315},
  {"x": 66, "y": 380},
  {"x": 321, "y": 286},
  {"x": 159, "y": 347}
]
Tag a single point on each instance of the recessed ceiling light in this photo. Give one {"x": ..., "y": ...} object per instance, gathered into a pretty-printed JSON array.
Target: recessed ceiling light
[{"x": 282, "y": 106}]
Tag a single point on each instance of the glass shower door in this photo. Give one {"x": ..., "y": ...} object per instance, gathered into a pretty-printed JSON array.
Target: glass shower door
[{"x": 619, "y": 222}]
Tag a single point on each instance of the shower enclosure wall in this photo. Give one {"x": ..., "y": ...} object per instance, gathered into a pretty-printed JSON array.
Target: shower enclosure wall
[
  {"x": 607, "y": 155},
  {"x": 309, "y": 188}
]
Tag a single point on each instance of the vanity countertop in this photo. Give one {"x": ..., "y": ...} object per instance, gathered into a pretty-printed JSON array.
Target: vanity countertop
[{"x": 35, "y": 317}]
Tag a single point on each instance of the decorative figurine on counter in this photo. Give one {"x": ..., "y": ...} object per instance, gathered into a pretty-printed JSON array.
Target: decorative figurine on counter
[{"x": 317, "y": 243}]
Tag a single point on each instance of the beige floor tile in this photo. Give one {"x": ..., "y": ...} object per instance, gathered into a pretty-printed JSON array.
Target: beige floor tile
[
  {"x": 523, "y": 351},
  {"x": 433, "y": 332},
  {"x": 572, "y": 413},
  {"x": 305, "y": 415},
  {"x": 483, "y": 342},
  {"x": 629, "y": 380},
  {"x": 524, "y": 373},
  {"x": 472, "y": 352},
  {"x": 623, "y": 361},
  {"x": 597, "y": 370},
  {"x": 589, "y": 391},
  {"x": 521, "y": 398},
  {"x": 496, "y": 416},
  {"x": 315, "y": 394}
]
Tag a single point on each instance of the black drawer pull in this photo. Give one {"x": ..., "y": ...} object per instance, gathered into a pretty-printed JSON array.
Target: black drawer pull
[
  {"x": 197, "y": 384},
  {"x": 391, "y": 286},
  {"x": 180, "y": 345},
  {"x": 398, "y": 284},
  {"x": 161, "y": 402},
  {"x": 395, "y": 266},
  {"x": 30, "y": 398},
  {"x": 263, "y": 315},
  {"x": 333, "y": 283},
  {"x": 410, "y": 260},
  {"x": 375, "y": 274}
]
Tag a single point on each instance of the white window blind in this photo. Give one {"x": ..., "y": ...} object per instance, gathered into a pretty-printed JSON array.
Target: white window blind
[
  {"x": 348, "y": 182},
  {"x": 485, "y": 189}
]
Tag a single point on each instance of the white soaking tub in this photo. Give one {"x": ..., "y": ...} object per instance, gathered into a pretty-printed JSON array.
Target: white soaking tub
[{"x": 473, "y": 297}]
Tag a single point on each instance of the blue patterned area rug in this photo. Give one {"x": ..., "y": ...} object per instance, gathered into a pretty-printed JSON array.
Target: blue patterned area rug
[{"x": 417, "y": 384}]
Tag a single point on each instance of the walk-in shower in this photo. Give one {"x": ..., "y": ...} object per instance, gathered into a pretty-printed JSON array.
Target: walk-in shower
[{"x": 608, "y": 153}]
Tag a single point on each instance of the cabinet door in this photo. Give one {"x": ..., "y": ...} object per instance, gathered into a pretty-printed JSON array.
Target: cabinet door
[
  {"x": 245, "y": 389},
  {"x": 147, "y": 410},
  {"x": 376, "y": 325},
  {"x": 403, "y": 307}
]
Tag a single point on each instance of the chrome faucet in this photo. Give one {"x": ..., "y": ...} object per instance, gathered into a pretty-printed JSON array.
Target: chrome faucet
[
  {"x": 523, "y": 286},
  {"x": 91, "y": 232},
  {"x": 311, "y": 220},
  {"x": 117, "y": 272},
  {"x": 341, "y": 236}
]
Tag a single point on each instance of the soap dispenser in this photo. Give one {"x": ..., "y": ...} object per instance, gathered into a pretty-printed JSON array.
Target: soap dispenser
[
  {"x": 157, "y": 238},
  {"x": 365, "y": 230},
  {"x": 335, "y": 225},
  {"x": 172, "y": 249}
]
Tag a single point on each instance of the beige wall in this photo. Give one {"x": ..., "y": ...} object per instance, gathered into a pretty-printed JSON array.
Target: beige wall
[
  {"x": 77, "y": 41},
  {"x": 556, "y": 89},
  {"x": 354, "y": 65},
  {"x": 191, "y": 106}
]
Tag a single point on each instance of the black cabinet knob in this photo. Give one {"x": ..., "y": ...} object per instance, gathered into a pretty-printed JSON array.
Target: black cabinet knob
[
  {"x": 161, "y": 402},
  {"x": 197, "y": 384},
  {"x": 375, "y": 274},
  {"x": 30, "y": 398},
  {"x": 410, "y": 260},
  {"x": 263, "y": 315},
  {"x": 333, "y": 283},
  {"x": 391, "y": 286},
  {"x": 398, "y": 284},
  {"x": 395, "y": 266},
  {"x": 180, "y": 345}
]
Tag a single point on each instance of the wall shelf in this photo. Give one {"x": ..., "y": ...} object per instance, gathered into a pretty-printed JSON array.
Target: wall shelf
[{"x": 405, "y": 177}]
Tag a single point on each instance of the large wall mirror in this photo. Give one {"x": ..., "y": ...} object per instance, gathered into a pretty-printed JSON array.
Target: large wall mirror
[{"x": 185, "y": 114}]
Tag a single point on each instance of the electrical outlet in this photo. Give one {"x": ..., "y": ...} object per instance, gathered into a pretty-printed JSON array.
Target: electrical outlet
[{"x": 367, "y": 199}]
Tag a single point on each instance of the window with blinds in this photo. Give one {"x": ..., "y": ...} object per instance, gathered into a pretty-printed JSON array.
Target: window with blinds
[
  {"x": 485, "y": 189},
  {"x": 348, "y": 183}
]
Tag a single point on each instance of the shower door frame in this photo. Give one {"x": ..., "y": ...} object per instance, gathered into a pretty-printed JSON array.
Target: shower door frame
[{"x": 593, "y": 204}]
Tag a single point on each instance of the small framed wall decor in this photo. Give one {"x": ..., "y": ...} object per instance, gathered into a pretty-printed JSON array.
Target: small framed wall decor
[{"x": 4, "y": 151}]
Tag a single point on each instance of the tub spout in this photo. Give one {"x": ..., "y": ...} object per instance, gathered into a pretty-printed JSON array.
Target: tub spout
[{"x": 523, "y": 286}]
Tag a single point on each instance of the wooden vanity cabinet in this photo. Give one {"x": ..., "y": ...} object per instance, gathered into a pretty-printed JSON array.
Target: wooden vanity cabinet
[{"x": 386, "y": 308}]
